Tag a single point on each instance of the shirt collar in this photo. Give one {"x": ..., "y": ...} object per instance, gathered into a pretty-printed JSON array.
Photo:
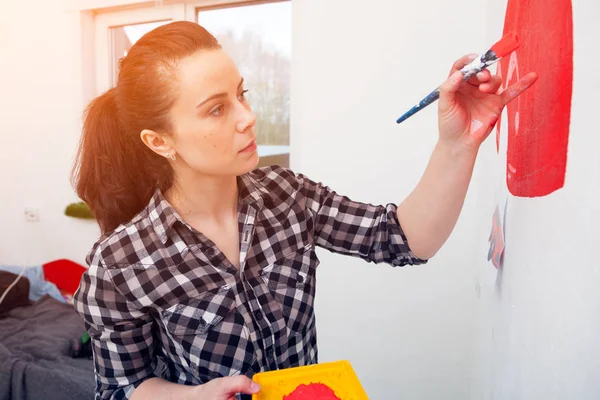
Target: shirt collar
[
  {"x": 251, "y": 191},
  {"x": 163, "y": 216}
]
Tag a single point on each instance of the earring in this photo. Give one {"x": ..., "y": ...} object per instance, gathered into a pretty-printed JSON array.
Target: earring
[{"x": 171, "y": 156}]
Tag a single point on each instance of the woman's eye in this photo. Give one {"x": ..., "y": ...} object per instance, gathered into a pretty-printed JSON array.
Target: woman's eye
[
  {"x": 217, "y": 111},
  {"x": 242, "y": 95}
]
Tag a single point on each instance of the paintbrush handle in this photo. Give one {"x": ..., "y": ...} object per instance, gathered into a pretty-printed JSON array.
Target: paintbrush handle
[
  {"x": 430, "y": 98},
  {"x": 468, "y": 70},
  {"x": 478, "y": 64}
]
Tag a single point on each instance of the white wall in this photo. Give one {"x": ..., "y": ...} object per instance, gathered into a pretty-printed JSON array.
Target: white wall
[
  {"x": 407, "y": 332},
  {"x": 39, "y": 125},
  {"x": 539, "y": 317}
]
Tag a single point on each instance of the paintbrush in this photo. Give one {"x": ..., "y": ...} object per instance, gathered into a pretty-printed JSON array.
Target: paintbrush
[{"x": 503, "y": 47}]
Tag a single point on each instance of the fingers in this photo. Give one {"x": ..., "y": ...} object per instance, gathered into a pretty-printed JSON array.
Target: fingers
[
  {"x": 235, "y": 384},
  {"x": 448, "y": 91},
  {"x": 461, "y": 62},
  {"x": 481, "y": 77},
  {"x": 476, "y": 80},
  {"x": 492, "y": 85},
  {"x": 516, "y": 89},
  {"x": 450, "y": 86},
  {"x": 484, "y": 76}
]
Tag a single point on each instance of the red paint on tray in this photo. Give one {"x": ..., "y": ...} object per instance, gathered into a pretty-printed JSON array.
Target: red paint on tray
[{"x": 312, "y": 391}]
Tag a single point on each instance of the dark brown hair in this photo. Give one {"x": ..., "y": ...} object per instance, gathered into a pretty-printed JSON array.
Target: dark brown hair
[{"x": 115, "y": 173}]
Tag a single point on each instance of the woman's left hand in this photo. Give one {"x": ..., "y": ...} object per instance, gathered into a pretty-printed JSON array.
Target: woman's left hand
[{"x": 468, "y": 111}]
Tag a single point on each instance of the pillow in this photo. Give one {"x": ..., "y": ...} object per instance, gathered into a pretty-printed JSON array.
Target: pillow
[{"x": 18, "y": 296}]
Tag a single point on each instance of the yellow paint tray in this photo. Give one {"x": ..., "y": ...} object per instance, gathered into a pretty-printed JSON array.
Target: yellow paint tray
[{"x": 338, "y": 375}]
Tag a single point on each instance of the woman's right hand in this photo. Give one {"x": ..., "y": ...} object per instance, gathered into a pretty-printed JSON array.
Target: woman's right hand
[{"x": 225, "y": 388}]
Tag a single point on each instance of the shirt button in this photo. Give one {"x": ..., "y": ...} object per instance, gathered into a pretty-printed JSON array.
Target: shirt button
[
  {"x": 300, "y": 278},
  {"x": 258, "y": 315},
  {"x": 210, "y": 252},
  {"x": 224, "y": 288},
  {"x": 270, "y": 353}
]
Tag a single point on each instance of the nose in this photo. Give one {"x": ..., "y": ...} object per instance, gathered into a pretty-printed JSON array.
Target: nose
[{"x": 247, "y": 120}]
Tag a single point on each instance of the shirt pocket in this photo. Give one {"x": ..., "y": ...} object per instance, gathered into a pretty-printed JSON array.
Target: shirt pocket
[
  {"x": 203, "y": 329},
  {"x": 291, "y": 280},
  {"x": 199, "y": 315}
]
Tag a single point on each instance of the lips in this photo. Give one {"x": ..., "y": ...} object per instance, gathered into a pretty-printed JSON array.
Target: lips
[{"x": 249, "y": 148}]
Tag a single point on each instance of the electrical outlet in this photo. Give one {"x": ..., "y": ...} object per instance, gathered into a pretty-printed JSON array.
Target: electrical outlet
[{"x": 32, "y": 214}]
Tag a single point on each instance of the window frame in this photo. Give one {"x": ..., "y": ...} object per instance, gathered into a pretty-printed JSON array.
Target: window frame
[
  {"x": 193, "y": 8},
  {"x": 129, "y": 12},
  {"x": 105, "y": 21},
  {"x": 192, "y": 11}
]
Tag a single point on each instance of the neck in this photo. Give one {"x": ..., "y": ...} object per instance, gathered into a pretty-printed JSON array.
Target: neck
[{"x": 204, "y": 197}]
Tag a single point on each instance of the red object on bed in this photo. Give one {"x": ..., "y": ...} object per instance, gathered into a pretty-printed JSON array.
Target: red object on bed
[
  {"x": 312, "y": 391},
  {"x": 65, "y": 274}
]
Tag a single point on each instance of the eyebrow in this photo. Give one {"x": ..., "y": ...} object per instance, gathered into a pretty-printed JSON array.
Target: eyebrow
[{"x": 217, "y": 95}]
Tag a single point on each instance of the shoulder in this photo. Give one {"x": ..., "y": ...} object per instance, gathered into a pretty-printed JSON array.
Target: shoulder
[
  {"x": 128, "y": 244},
  {"x": 278, "y": 184},
  {"x": 275, "y": 177}
]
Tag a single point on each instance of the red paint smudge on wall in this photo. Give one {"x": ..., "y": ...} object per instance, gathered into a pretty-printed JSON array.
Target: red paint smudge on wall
[
  {"x": 496, "y": 240},
  {"x": 539, "y": 119}
]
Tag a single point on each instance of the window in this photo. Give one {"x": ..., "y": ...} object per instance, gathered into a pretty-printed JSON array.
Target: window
[
  {"x": 117, "y": 31},
  {"x": 259, "y": 39},
  {"x": 122, "y": 38},
  {"x": 257, "y": 35}
]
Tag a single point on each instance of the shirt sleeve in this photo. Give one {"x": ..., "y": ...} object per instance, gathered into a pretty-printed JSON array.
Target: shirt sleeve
[
  {"x": 371, "y": 232},
  {"x": 121, "y": 335}
]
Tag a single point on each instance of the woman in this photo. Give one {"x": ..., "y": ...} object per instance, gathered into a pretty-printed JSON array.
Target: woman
[{"x": 205, "y": 272}]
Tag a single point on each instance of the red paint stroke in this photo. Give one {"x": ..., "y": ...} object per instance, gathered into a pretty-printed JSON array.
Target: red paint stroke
[
  {"x": 312, "y": 391},
  {"x": 506, "y": 45},
  {"x": 539, "y": 119},
  {"x": 496, "y": 241}
]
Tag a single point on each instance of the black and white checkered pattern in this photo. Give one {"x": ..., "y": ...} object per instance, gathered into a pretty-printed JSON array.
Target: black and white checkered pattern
[{"x": 160, "y": 293}]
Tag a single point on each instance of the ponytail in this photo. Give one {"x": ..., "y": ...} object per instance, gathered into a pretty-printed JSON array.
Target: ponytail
[{"x": 115, "y": 173}]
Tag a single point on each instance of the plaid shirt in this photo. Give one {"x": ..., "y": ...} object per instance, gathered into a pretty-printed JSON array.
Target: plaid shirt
[{"x": 160, "y": 299}]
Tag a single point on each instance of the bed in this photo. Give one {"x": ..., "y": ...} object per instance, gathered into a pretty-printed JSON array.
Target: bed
[{"x": 35, "y": 361}]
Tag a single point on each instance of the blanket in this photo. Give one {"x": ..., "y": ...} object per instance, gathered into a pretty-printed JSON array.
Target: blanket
[{"x": 34, "y": 354}]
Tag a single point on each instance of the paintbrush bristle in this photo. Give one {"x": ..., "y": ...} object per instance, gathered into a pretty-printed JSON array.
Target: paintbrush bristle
[{"x": 506, "y": 45}]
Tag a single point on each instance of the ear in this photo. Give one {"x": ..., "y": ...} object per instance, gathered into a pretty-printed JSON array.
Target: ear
[{"x": 157, "y": 142}]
